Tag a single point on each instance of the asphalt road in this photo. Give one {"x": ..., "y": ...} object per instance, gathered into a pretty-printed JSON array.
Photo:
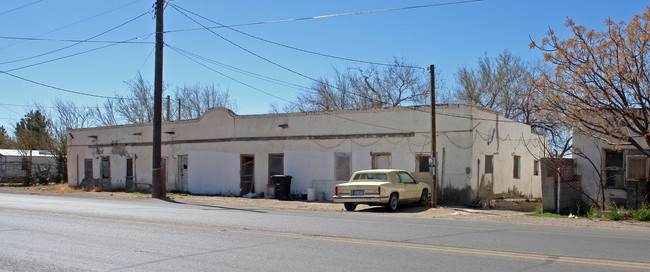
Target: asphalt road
[{"x": 48, "y": 233}]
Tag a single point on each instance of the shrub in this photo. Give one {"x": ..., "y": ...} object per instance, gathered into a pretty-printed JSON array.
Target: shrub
[
  {"x": 617, "y": 214},
  {"x": 642, "y": 214},
  {"x": 593, "y": 213}
]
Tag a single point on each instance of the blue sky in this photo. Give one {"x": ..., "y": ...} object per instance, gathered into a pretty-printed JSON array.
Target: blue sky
[{"x": 447, "y": 36}]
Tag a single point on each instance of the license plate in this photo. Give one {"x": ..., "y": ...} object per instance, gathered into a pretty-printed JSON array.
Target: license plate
[{"x": 357, "y": 193}]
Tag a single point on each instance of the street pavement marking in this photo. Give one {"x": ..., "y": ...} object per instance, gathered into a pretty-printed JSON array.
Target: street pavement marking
[{"x": 541, "y": 257}]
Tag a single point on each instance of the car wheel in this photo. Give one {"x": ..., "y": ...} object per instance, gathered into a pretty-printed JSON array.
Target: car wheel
[
  {"x": 423, "y": 198},
  {"x": 350, "y": 206},
  {"x": 392, "y": 202}
]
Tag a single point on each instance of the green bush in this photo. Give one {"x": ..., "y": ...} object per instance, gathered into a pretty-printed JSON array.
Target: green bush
[
  {"x": 593, "y": 213},
  {"x": 642, "y": 214},
  {"x": 617, "y": 214}
]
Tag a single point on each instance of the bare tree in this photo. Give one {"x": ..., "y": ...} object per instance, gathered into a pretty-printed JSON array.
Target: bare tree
[
  {"x": 374, "y": 87},
  {"x": 505, "y": 84},
  {"x": 105, "y": 115},
  {"x": 137, "y": 107},
  {"x": 196, "y": 99},
  {"x": 500, "y": 84}
]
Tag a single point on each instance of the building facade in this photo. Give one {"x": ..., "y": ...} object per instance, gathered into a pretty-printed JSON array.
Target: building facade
[
  {"x": 614, "y": 172},
  {"x": 480, "y": 153},
  {"x": 14, "y": 163}
]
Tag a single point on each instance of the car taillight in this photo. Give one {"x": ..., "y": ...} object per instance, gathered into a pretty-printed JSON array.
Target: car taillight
[
  {"x": 336, "y": 190},
  {"x": 379, "y": 190}
]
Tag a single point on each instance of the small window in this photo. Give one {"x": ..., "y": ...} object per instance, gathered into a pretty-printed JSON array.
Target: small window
[
  {"x": 536, "y": 168},
  {"x": 88, "y": 168},
  {"x": 381, "y": 160},
  {"x": 489, "y": 166},
  {"x": 637, "y": 167},
  {"x": 342, "y": 164},
  {"x": 423, "y": 163},
  {"x": 516, "y": 167}
]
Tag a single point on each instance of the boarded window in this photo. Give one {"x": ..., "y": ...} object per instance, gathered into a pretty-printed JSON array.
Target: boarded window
[
  {"x": 342, "y": 166},
  {"x": 423, "y": 163},
  {"x": 637, "y": 167},
  {"x": 276, "y": 165},
  {"x": 88, "y": 168},
  {"x": 489, "y": 165},
  {"x": 516, "y": 167},
  {"x": 380, "y": 160}
]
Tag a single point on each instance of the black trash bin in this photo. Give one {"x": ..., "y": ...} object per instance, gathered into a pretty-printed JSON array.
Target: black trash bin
[{"x": 282, "y": 186}]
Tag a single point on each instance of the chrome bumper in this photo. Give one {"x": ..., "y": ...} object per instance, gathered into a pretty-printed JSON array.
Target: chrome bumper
[{"x": 360, "y": 199}]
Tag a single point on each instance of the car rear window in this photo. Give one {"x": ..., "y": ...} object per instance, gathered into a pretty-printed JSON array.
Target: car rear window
[{"x": 367, "y": 176}]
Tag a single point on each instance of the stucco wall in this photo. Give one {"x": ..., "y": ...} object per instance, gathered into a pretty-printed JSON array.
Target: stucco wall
[{"x": 309, "y": 141}]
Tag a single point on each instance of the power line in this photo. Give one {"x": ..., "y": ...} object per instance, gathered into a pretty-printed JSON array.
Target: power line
[
  {"x": 239, "y": 70},
  {"x": 77, "y": 22},
  {"x": 64, "y": 57},
  {"x": 296, "y": 48},
  {"x": 244, "y": 49},
  {"x": 60, "y": 89},
  {"x": 282, "y": 99},
  {"x": 332, "y": 15},
  {"x": 63, "y": 40},
  {"x": 23, "y": 6},
  {"x": 77, "y": 43}
]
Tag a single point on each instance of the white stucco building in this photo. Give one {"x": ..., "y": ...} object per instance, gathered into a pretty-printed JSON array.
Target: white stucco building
[
  {"x": 616, "y": 171},
  {"x": 480, "y": 153}
]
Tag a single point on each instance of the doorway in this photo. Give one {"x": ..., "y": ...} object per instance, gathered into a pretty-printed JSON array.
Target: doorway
[
  {"x": 247, "y": 184},
  {"x": 181, "y": 182},
  {"x": 105, "y": 172}
]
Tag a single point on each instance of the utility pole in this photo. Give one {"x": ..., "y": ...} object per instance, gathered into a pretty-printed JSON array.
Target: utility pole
[
  {"x": 158, "y": 189},
  {"x": 434, "y": 174},
  {"x": 168, "y": 108}
]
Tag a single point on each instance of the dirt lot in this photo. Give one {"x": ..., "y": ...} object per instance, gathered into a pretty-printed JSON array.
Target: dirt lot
[{"x": 510, "y": 211}]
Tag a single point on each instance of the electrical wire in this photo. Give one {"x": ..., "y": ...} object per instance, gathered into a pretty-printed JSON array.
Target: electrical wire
[
  {"x": 243, "y": 48},
  {"x": 76, "y": 43},
  {"x": 282, "y": 99},
  {"x": 296, "y": 48},
  {"x": 77, "y": 22},
  {"x": 58, "y": 88},
  {"x": 63, "y": 57},
  {"x": 253, "y": 53},
  {"x": 241, "y": 71},
  {"x": 23, "y": 6},
  {"x": 63, "y": 40},
  {"x": 332, "y": 15}
]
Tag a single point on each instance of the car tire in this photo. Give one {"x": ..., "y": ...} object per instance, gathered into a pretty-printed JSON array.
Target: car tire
[
  {"x": 423, "y": 198},
  {"x": 393, "y": 200},
  {"x": 350, "y": 206}
]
